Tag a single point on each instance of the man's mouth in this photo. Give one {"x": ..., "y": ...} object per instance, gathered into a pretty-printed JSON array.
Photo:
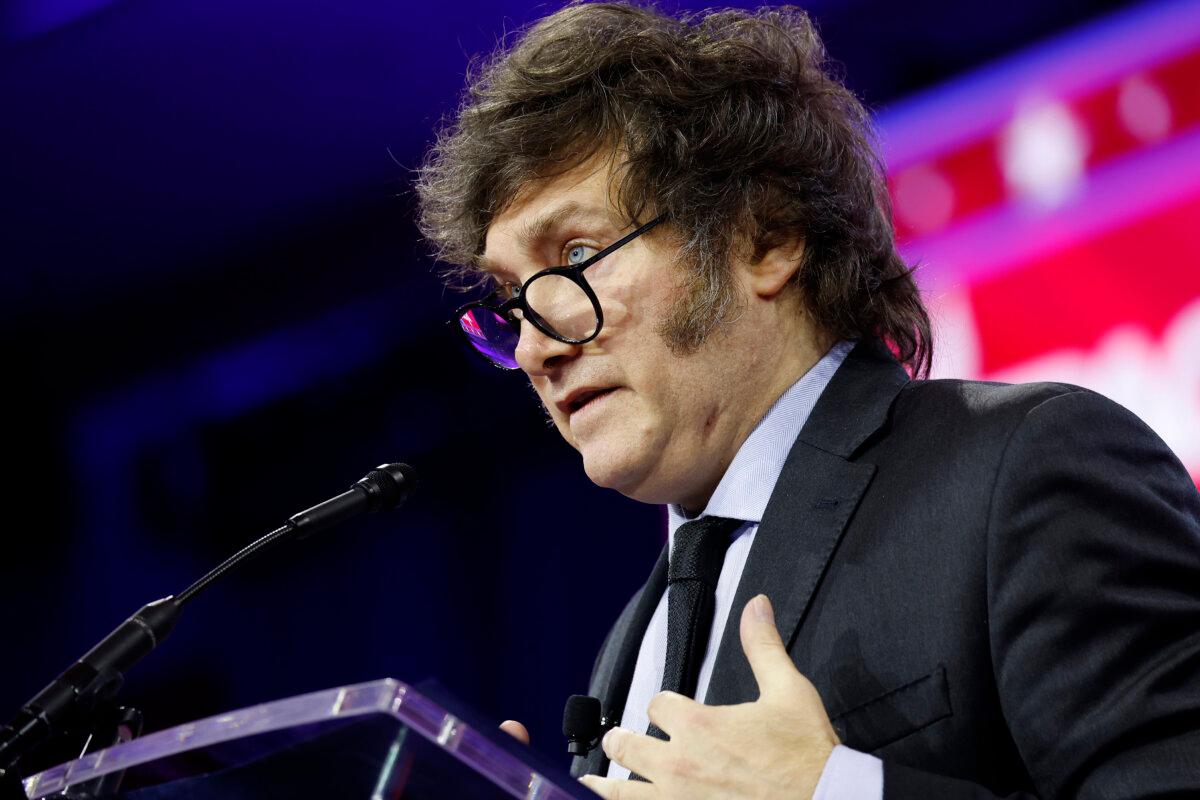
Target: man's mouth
[{"x": 585, "y": 398}]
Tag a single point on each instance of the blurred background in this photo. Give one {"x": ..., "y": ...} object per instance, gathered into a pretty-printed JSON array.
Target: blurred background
[{"x": 217, "y": 312}]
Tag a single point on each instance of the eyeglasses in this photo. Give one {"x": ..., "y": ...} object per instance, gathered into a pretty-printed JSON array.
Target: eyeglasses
[{"x": 558, "y": 302}]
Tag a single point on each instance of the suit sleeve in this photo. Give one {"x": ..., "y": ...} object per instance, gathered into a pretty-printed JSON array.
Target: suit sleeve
[{"x": 1094, "y": 608}]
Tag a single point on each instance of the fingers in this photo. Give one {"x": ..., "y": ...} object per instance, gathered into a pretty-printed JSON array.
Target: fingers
[
  {"x": 636, "y": 752},
  {"x": 772, "y": 666},
  {"x": 614, "y": 789},
  {"x": 515, "y": 730},
  {"x": 670, "y": 711}
]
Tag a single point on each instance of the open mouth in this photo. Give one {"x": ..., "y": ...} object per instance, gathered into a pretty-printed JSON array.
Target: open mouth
[{"x": 589, "y": 397}]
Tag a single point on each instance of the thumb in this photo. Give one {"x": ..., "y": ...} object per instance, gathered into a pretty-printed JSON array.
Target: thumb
[{"x": 772, "y": 666}]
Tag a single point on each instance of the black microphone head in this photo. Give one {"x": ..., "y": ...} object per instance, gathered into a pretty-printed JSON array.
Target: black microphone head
[
  {"x": 581, "y": 720},
  {"x": 388, "y": 485}
]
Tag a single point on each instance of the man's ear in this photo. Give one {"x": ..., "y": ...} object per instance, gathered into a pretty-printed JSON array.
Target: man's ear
[{"x": 771, "y": 273}]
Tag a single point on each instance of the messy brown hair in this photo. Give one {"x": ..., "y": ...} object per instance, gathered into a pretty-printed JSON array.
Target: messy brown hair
[{"x": 727, "y": 122}]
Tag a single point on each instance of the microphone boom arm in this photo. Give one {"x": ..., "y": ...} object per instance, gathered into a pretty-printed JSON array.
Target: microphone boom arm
[{"x": 94, "y": 680}]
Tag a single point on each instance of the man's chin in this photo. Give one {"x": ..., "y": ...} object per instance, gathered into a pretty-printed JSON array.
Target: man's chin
[
  {"x": 610, "y": 470},
  {"x": 635, "y": 479}
]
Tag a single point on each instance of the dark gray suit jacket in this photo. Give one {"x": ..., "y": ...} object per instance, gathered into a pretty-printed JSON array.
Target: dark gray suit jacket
[{"x": 995, "y": 589}]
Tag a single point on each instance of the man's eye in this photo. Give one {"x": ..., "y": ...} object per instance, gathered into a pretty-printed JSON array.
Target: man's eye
[{"x": 580, "y": 253}]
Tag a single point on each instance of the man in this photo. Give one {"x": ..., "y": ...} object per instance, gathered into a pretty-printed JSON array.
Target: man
[{"x": 877, "y": 585}]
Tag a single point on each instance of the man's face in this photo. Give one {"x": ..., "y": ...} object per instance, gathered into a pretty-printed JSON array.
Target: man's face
[{"x": 656, "y": 426}]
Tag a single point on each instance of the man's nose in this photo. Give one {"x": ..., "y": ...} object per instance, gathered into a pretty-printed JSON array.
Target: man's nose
[{"x": 538, "y": 354}]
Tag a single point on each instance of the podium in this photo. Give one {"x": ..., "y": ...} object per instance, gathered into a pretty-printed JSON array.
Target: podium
[{"x": 375, "y": 741}]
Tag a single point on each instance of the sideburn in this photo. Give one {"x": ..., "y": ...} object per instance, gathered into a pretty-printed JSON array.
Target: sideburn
[{"x": 710, "y": 300}]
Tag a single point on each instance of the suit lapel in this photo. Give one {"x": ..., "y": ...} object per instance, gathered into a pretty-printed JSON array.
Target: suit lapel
[
  {"x": 813, "y": 500},
  {"x": 614, "y": 670},
  {"x": 803, "y": 523}
]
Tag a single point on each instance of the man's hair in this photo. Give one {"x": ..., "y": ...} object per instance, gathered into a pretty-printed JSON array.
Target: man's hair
[{"x": 729, "y": 122}]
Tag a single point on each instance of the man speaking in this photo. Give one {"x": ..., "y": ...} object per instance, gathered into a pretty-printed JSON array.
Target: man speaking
[{"x": 875, "y": 585}]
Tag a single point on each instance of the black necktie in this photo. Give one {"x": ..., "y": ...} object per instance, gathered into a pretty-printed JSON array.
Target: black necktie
[{"x": 695, "y": 564}]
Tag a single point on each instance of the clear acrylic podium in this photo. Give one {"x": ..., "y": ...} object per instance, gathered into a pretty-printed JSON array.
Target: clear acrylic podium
[{"x": 374, "y": 741}]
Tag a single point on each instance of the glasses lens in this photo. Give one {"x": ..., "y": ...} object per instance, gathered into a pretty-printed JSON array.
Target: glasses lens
[
  {"x": 492, "y": 335},
  {"x": 562, "y": 305}
]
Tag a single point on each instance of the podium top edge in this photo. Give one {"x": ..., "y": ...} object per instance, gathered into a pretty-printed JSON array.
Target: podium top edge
[{"x": 387, "y": 696}]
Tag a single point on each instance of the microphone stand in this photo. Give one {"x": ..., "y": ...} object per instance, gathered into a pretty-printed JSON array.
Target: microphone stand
[
  {"x": 114, "y": 726},
  {"x": 88, "y": 687}
]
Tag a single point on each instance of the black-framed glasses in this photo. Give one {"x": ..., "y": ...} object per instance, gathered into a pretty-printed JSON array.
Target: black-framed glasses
[{"x": 557, "y": 301}]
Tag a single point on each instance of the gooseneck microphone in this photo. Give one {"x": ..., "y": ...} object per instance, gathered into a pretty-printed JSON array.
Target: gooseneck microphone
[
  {"x": 386, "y": 486},
  {"x": 92, "y": 681}
]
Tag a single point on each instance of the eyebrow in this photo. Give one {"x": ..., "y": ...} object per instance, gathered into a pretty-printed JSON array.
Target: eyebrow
[{"x": 536, "y": 230}]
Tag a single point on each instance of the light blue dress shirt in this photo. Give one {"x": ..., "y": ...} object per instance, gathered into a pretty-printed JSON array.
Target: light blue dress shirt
[{"x": 743, "y": 494}]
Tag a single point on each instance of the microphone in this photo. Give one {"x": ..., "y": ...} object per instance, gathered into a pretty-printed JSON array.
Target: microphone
[
  {"x": 582, "y": 724},
  {"x": 386, "y": 486},
  {"x": 94, "y": 679}
]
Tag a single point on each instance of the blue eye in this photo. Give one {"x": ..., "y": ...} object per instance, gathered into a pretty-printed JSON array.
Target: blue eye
[{"x": 580, "y": 253}]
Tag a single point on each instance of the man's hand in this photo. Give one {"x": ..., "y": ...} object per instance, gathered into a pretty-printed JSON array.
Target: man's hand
[
  {"x": 775, "y": 747},
  {"x": 516, "y": 730}
]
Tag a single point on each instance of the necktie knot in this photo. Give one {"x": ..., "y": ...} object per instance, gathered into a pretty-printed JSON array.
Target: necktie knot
[{"x": 698, "y": 550}]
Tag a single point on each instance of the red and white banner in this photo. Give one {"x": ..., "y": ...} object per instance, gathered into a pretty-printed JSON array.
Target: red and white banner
[{"x": 1052, "y": 204}]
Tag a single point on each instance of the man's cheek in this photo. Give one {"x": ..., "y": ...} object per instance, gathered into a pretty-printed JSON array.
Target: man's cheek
[
  {"x": 564, "y": 429},
  {"x": 547, "y": 408},
  {"x": 618, "y": 305},
  {"x": 560, "y": 422}
]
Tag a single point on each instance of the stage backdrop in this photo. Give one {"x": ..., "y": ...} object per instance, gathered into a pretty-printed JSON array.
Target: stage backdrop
[{"x": 1052, "y": 204}]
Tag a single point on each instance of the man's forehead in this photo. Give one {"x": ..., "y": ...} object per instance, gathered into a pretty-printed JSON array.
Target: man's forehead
[
  {"x": 585, "y": 187},
  {"x": 528, "y": 226}
]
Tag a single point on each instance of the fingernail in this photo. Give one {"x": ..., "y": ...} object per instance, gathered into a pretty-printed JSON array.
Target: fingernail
[
  {"x": 609, "y": 739},
  {"x": 762, "y": 608}
]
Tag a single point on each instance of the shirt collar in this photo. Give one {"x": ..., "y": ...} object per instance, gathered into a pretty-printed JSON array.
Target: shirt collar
[{"x": 747, "y": 485}]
